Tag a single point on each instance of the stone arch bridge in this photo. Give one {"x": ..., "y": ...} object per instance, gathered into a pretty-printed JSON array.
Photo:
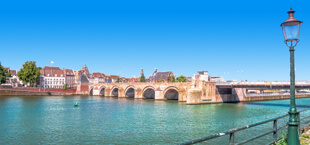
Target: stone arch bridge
[{"x": 160, "y": 91}]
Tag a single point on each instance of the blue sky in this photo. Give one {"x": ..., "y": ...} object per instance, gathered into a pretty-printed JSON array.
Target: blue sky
[{"x": 118, "y": 37}]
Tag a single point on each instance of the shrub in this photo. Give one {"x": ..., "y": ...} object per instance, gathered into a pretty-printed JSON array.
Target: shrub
[
  {"x": 305, "y": 135},
  {"x": 283, "y": 141}
]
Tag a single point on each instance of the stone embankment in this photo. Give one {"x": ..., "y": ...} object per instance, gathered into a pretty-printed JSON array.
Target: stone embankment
[{"x": 31, "y": 93}]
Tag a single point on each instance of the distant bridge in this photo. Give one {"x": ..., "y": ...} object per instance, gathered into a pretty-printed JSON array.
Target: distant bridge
[
  {"x": 197, "y": 92},
  {"x": 159, "y": 91},
  {"x": 263, "y": 85}
]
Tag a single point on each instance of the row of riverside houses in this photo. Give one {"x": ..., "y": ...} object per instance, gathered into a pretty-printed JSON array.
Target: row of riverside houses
[{"x": 56, "y": 78}]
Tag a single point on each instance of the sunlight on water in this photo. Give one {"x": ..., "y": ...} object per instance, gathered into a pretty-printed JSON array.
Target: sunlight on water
[{"x": 107, "y": 120}]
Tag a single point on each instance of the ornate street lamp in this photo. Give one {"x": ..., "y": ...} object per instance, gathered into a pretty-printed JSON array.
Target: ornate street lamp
[{"x": 291, "y": 29}]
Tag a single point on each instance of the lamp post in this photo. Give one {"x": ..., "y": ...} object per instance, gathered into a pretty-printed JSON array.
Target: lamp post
[{"x": 291, "y": 29}]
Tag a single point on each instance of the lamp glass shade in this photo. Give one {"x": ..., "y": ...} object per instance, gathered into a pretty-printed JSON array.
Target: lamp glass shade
[
  {"x": 291, "y": 27},
  {"x": 291, "y": 32}
]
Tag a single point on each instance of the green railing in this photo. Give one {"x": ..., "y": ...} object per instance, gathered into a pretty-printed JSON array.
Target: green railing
[{"x": 231, "y": 132}]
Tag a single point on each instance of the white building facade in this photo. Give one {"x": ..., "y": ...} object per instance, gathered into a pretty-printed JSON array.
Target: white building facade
[{"x": 52, "y": 77}]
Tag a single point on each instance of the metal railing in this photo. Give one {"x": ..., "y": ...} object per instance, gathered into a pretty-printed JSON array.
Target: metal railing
[
  {"x": 232, "y": 132},
  {"x": 273, "y": 94}
]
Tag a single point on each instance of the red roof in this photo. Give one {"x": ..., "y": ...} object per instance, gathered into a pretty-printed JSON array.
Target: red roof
[
  {"x": 52, "y": 71},
  {"x": 13, "y": 72},
  {"x": 98, "y": 75},
  {"x": 114, "y": 77},
  {"x": 69, "y": 71}
]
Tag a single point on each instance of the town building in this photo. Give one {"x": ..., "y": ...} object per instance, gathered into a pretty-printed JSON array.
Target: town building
[
  {"x": 82, "y": 85},
  {"x": 132, "y": 80},
  {"x": 90, "y": 78},
  {"x": 124, "y": 80},
  {"x": 98, "y": 78},
  {"x": 148, "y": 80},
  {"x": 13, "y": 81},
  {"x": 52, "y": 77},
  {"x": 217, "y": 79},
  {"x": 84, "y": 71},
  {"x": 108, "y": 79},
  {"x": 189, "y": 79},
  {"x": 70, "y": 76},
  {"x": 203, "y": 75},
  {"x": 76, "y": 76},
  {"x": 114, "y": 78},
  {"x": 156, "y": 76}
]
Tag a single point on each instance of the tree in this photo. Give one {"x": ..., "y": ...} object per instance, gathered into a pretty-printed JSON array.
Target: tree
[
  {"x": 118, "y": 80},
  {"x": 4, "y": 74},
  {"x": 30, "y": 73},
  {"x": 161, "y": 80},
  {"x": 65, "y": 87},
  {"x": 142, "y": 79},
  {"x": 181, "y": 79},
  {"x": 172, "y": 79}
]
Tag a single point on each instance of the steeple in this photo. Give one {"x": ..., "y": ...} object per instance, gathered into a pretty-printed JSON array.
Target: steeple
[
  {"x": 155, "y": 70},
  {"x": 141, "y": 71}
]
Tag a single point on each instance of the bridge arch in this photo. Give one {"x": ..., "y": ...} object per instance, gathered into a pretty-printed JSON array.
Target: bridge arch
[
  {"x": 130, "y": 91},
  {"x": 114, "y": 91},
  {"x": 102, "y": 90},
  {"x": 171, "y": 93},
  {"x": 148, "y": 92},
  {"x": 91, "y": 91}
]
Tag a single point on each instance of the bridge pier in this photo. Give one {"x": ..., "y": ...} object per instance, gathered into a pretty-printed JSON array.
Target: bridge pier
[
  {"x": 194, "y": 96},
  {"x": 138, "y": 94},
  {"x": 183, "y": 96},
  {"x": 121, "y": 93},
  {"x": 95, "y": 92},
  {"x": 238, "y": 95},
  {"x": 107, "y": 92},
  {"x": 159, "y": 95}
]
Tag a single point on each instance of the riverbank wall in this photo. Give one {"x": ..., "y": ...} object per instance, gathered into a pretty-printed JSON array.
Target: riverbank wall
[
  {"x": 31, "y": 93},
  {"x": 239, "y": 95},
  {"x": 199, "y": 96}
]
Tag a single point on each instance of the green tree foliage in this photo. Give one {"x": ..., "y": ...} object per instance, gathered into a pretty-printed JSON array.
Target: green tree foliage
[
  {"x": 161, "y": 80},
  {"x": 30, "y": 73},
  {"x": 172, "y": 79},
  {"x": 181, "y": 79},
  {"x": 3, "y": 74},
  {"x": 65, "y": 87},
  {"x": 142, "y": 79},
  {"x": 118, "y": 80}
]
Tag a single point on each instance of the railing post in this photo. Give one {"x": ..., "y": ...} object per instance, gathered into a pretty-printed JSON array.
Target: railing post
[
  {"x": 275, "y": 128},
  {"x": 232, "y": 138}
]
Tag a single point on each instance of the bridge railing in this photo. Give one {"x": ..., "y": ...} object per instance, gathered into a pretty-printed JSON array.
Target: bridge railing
[
  {"x": 262, "y": 83},
  {"x": 232, "y": 132}
]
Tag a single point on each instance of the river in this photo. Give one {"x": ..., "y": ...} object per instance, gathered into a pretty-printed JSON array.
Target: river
[{"x": 109, "y": 120}]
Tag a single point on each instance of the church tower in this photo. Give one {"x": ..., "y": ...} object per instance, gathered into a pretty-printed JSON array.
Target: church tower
[{"x": 141, "y": 71}]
